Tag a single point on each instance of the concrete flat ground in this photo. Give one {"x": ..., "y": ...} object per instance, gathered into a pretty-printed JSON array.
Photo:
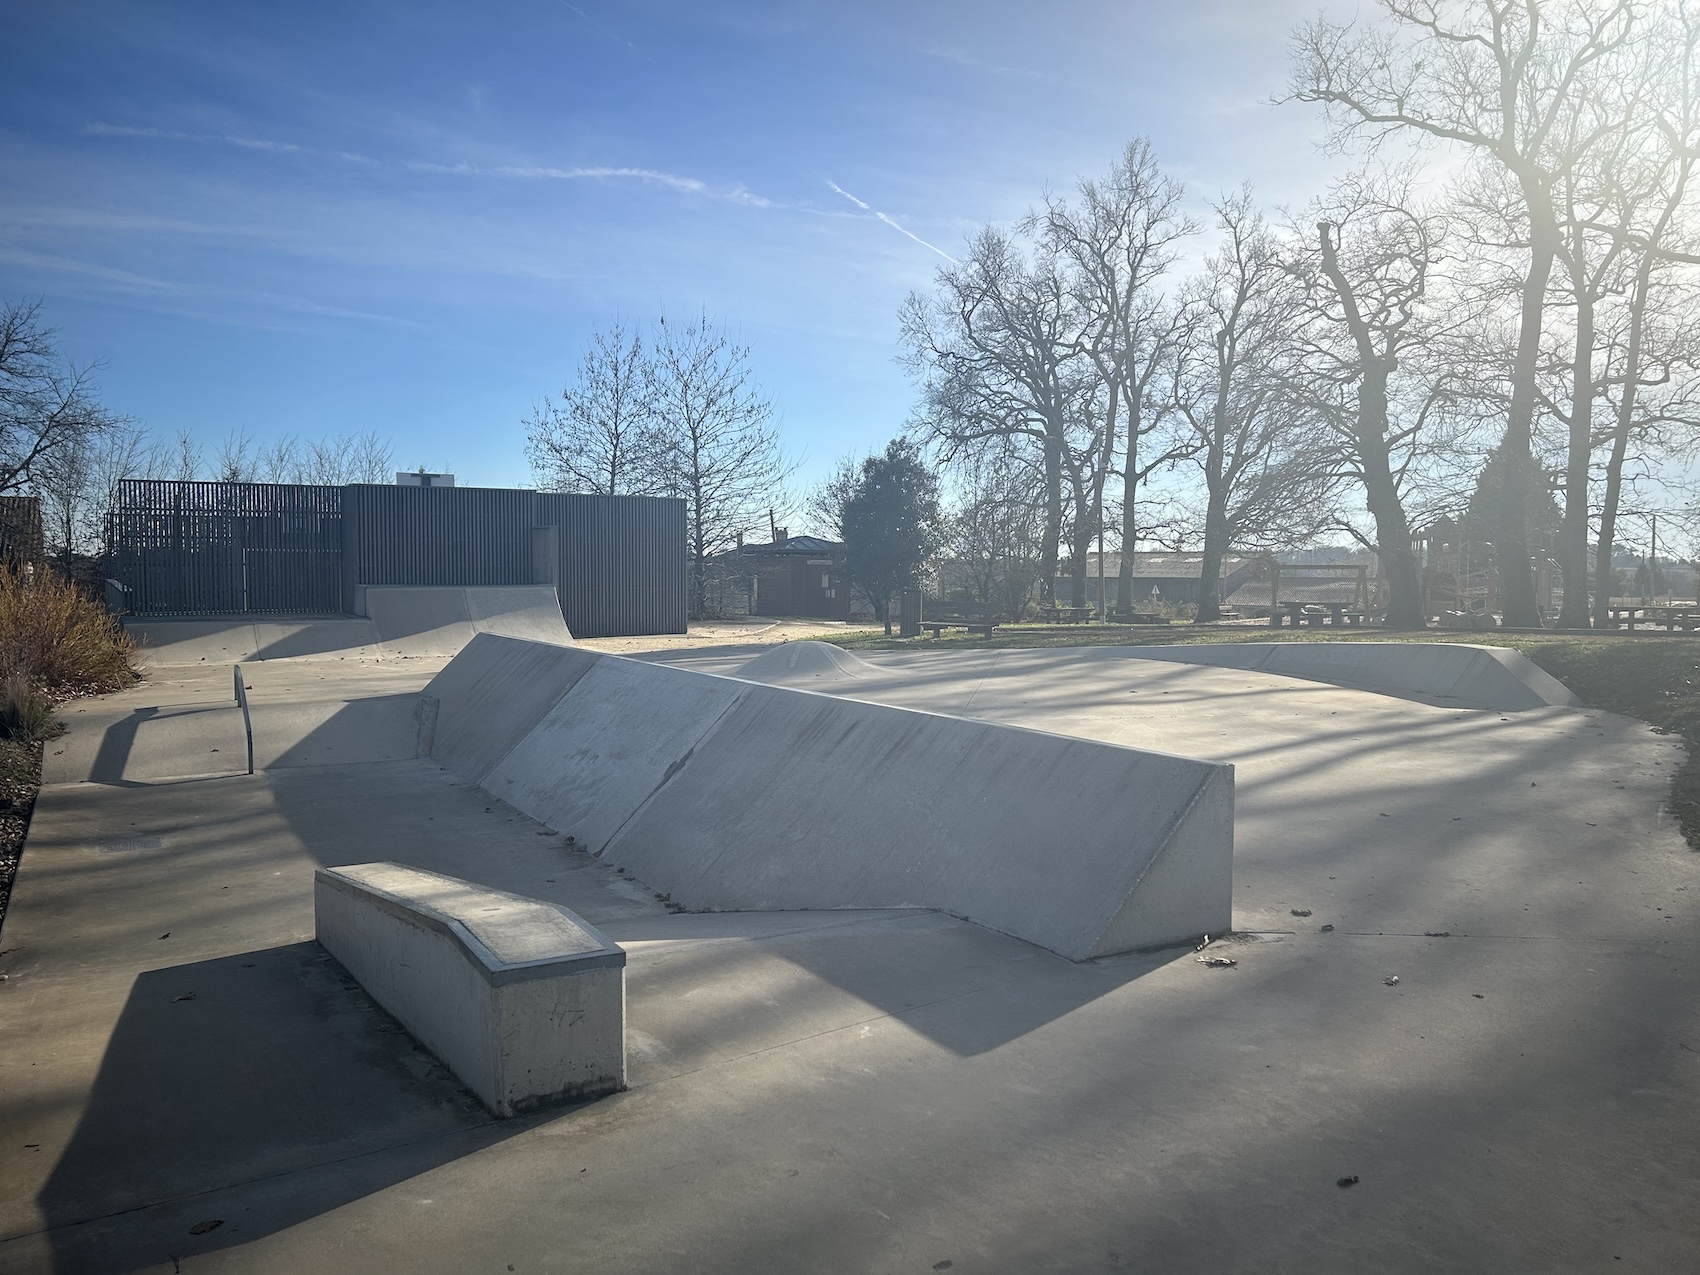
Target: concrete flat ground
[{"x": 886, "y": 1091}]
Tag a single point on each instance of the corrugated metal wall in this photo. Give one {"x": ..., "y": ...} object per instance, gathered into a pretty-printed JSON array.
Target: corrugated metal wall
[{"x": 205, "y": 548}]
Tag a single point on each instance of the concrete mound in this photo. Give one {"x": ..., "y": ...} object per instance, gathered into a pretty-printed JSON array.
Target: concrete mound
[
  {"x": 1484, "y": 677},
  {"x": 806, "y": 664},
  {"x": 730, "y": 795}
]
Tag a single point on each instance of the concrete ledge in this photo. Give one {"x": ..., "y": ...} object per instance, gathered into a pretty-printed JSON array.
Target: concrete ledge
[{"x": 521, "y": 999}]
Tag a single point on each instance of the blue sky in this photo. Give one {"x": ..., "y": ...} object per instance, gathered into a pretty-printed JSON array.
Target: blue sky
[{"x": 327, "y": 218}]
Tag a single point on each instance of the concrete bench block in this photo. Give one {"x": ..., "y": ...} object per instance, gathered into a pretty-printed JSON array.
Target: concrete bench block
[{"x": 520, "y": 998}]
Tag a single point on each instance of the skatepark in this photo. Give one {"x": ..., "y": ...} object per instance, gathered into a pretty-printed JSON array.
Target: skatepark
[{"x": 910, "y": 967}]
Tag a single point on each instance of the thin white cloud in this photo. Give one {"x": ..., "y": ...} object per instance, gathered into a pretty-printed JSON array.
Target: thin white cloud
[
  {"x": 867, "y": 207},
  {"x": 736, "y": 193},
  {"x": 864, "y": 207},
  {"x": 131, "y": 282}
]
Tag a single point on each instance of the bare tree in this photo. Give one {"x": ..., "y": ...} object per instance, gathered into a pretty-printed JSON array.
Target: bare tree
[
  {"x": 339, "y": 459},
  {"x": 715, "y": 446},
  {"x": 1365, "y": 278},
  {"x": 997, "y": 353},
  {"x": 1120, "y": 241},
  {"x": 993, "y": 532},
  {"x": 1502, "y": 79},
  {"x": 78, "y": 483},
  {"x": 600, "y": 436},
  {"x": 181, "y": 459},
  {"x": 46, "y": 402},
  {"x": 1261, "y": 471}
]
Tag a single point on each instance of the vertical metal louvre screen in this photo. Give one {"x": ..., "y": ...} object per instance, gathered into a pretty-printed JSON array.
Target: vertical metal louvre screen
[{"x": 191, "y": 548}]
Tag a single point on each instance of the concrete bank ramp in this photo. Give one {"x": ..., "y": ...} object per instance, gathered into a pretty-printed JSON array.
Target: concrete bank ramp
[
  {"x": 399, "y": 622},
  {"x": 733, "y": 796},
  {"x": 809, "y": 665},
  {"x": 1485, "y": 677}
]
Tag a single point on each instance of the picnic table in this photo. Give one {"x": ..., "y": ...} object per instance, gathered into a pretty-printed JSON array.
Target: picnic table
[
  {"x": 1686, "y": 618},
  {"x": 1314, "y": 614}
]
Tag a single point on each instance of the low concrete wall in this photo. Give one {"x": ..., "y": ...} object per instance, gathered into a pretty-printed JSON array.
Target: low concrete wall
[
  {"x": 731, "y": 795},
  {"x": 1484, "y": 677},
  {"x": 519, "y": 998}
]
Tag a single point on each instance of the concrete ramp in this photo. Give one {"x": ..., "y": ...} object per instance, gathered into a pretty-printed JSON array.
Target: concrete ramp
[
  {"x": 809, "y": 665},
  {"x": 734, "y": 796},
  {"x": 1483, "y": 677},
  {"x": 400, "y": 622},
  {"x": 421, "y": 621}
]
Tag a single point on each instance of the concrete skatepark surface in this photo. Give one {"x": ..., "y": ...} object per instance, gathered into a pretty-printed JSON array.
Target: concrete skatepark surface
[{"x": 884, "y": 1091}]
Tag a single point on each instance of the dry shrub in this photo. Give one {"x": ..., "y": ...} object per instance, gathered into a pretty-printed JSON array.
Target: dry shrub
[
  {"x": 26, "y": 715},
  {"x": 58, "y": 639}
]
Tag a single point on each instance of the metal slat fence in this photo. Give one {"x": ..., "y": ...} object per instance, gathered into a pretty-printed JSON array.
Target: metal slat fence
[{"x": 194, "y": 548}]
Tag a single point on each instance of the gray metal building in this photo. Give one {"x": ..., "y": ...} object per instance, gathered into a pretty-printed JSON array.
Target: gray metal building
[{"x": 198, "y": 548}]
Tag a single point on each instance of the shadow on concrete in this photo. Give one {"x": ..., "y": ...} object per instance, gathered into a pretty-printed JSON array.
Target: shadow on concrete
[
  {"x": 116, "y": 744},
  {"x": 249, "y": 1067}
]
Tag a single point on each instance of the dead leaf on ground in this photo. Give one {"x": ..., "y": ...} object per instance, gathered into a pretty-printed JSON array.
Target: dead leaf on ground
[{"x": 201, "y": 1228}]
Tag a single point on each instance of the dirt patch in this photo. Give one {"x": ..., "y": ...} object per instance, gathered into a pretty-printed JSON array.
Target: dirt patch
[{"x": 20, "y": 779}]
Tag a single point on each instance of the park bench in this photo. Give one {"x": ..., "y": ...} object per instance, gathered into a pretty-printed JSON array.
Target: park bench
[{"x": 520, "y": 998}]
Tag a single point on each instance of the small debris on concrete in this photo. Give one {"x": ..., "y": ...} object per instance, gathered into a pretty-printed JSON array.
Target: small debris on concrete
[
  {"x": 1327, "y": 929},
  {"x": 1478, "y": 996},
  {"x": 1301, "y": 911},
  {"x": 1392, "y": 981},
  {"x": 1384, "y": 814},
  {"x": 166, "y": 935},
  {"x": 1346, "y": 1182},
  {"x": 201, "y": 1228},
  {"x": 1203, "y": 945},
  {"x": 1217, "y": 962},
  {"x": 187, "y": 996},
  {"x": 570, "y": 840},
  {"x": 1437, "y": 934},
  {"x": 944, "y": 1265}
]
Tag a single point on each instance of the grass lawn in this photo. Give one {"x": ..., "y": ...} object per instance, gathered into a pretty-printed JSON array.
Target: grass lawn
[{"x": 1656, "y": 679}]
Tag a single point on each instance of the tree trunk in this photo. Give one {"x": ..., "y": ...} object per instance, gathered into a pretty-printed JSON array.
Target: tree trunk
[
  {"x": 1381, "y": 493},
  {"x": 1210, "y": 569},
  {"x": 1053, "y": 521},
  {"x": 1603, "y": 574},
  {"x": 1130, "y": 488},
  {"x": 1511, "y": 552},
  {"x": 1080, "y": 545},
  {"x": 1573, "y": 531}
]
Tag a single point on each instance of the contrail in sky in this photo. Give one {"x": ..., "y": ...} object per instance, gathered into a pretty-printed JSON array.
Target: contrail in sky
[{"x": 865, "y": 207}]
